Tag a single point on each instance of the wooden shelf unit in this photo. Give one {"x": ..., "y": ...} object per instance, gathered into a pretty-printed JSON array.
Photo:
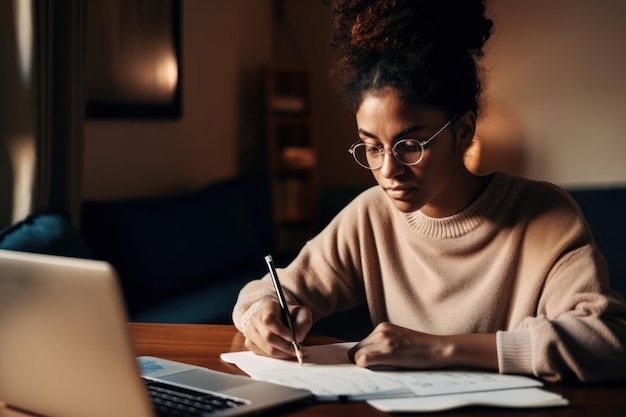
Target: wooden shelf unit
[{"x": 291, "y": 153}]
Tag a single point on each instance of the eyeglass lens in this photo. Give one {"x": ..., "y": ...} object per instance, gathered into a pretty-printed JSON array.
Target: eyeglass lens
[{"x": 408, "y": 152}]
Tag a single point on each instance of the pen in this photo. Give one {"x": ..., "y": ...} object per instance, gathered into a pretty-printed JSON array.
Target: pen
[{"x": 283, "y": 306}]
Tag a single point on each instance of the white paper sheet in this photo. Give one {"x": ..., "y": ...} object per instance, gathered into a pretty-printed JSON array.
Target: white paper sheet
[
  {"x": 513, "y": 398},
  {"x": 330, "y": 375},
  {"x": 425, "y": 383},
  {"x": 327, "y": 372}
]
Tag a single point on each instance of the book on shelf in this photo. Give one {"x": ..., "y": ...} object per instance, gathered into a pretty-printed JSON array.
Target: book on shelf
[
  {"x": 288, "y": 104},
  {"x": 298, "y": 157}
]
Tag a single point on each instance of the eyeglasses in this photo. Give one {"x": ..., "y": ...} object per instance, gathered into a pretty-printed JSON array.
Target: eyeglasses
[{"x": 406, "y": 151}]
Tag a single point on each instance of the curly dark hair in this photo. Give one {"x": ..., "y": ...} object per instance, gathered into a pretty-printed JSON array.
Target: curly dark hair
[{"x": 426, "y": 50}]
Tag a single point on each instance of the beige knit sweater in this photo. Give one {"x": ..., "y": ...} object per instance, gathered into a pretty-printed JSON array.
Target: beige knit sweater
[{"x": 519, "y": 261}]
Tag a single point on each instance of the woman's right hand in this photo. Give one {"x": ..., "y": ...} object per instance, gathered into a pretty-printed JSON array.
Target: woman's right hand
[{"x": 267, "y": 335}]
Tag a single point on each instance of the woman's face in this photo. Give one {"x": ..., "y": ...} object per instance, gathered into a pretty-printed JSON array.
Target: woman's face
[{"x": 433, "y": 185}]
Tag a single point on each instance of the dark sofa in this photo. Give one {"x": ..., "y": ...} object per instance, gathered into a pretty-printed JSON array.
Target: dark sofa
[
  {"x": 184, "y": 258},
  {"x": 604, "y": 208}
]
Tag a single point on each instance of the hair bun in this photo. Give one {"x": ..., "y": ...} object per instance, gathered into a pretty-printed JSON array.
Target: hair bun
[
  {"x": 424, "y": 50},
  {"x": 387, "y": 25}
]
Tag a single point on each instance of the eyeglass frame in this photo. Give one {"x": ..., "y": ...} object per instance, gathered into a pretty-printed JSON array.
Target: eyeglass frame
[{"x": 392, "y": 150}]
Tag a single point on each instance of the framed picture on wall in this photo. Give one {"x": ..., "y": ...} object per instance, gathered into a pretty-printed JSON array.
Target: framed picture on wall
[{"x": 132, "y": 59}]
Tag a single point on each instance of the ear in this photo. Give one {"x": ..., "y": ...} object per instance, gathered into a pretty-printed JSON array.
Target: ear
[{"x": 465, "y": 127}]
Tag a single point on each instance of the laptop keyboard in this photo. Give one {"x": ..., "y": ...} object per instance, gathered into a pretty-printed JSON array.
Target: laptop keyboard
[{"x": 170, "y": 400}]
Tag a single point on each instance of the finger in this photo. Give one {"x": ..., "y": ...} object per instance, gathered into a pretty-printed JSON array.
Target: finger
[
  {"x": 353, "y": 351},
  {"x": 367, "y": 357},
  {"x": 302, "y": 321},
  {"x": 368, "y": 352},
  {"x": 270, "y": 317},
  {"x": 253, "y": 347},
  {"x": 267, "y": 334},
  {"x": 266, "y": 350},
  {"x": 368, "y": 340},
  {"x": 263, "y": 342}
]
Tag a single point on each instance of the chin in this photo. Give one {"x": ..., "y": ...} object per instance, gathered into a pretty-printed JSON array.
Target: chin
[{"x": 405, "y": 206}]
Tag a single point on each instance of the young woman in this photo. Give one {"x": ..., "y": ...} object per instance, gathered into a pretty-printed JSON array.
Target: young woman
[{"x": 493, "y": 272}]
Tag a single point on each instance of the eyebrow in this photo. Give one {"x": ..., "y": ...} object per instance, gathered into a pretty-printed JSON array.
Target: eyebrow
[{"x": 397, "y": 136}]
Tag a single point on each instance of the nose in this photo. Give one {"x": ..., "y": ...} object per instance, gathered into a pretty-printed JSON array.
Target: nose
[{"x": 391, "y": 166}]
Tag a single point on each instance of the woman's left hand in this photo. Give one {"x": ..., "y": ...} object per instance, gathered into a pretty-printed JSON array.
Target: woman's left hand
[{"x": 391, "y": 345}]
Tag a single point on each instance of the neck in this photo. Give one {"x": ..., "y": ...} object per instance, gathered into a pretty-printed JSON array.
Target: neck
[{"x": 464, "y": 188}]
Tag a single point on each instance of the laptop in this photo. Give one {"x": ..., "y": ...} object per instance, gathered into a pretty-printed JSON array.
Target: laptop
[{"x": 65, "y": 349}]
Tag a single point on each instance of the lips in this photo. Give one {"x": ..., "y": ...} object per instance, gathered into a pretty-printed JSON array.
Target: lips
[{"x": 399, "y": 192}]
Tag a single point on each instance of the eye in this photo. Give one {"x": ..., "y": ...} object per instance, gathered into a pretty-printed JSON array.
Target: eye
[
  {"x": 407, "y": 145},
  {"x": 372, "y": 149}
]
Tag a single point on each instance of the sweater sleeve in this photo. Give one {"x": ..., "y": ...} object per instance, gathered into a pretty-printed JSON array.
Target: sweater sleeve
[
  {"x": 324, "y": 276},
  {"x": 579, "y": 332}
]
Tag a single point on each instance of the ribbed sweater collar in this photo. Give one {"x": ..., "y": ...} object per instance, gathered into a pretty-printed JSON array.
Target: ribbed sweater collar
[{"x": 465, "y": 221}]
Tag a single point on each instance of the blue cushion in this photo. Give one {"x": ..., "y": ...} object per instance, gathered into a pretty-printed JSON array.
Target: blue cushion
[{"x": 46, "y": 233}]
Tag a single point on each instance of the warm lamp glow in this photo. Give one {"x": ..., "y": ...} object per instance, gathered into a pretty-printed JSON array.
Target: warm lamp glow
[
  {"x": 497, "y": 146},
  {"x": 22, "y": 154},
  {"x": 167, "y": 74},
  {"x": 24, "y": 25}
]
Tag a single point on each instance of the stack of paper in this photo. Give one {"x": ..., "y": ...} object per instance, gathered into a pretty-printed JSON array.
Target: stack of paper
[
  {"x": 513, "y": 398},
  {"x": 329, "y": 374}
]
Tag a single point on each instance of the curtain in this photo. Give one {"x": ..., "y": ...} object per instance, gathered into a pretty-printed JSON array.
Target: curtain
[
  {"x": 60, "y": 106},
  {"x": 17, "y": 114},
  {"x": 41, "y": 107}
]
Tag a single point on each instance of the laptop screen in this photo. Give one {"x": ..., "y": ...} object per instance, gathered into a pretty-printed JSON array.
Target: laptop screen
[{"x": 65, "y": 343}]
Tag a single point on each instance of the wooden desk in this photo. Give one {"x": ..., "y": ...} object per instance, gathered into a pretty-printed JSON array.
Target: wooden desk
[{"x": 201, "y": 344}]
